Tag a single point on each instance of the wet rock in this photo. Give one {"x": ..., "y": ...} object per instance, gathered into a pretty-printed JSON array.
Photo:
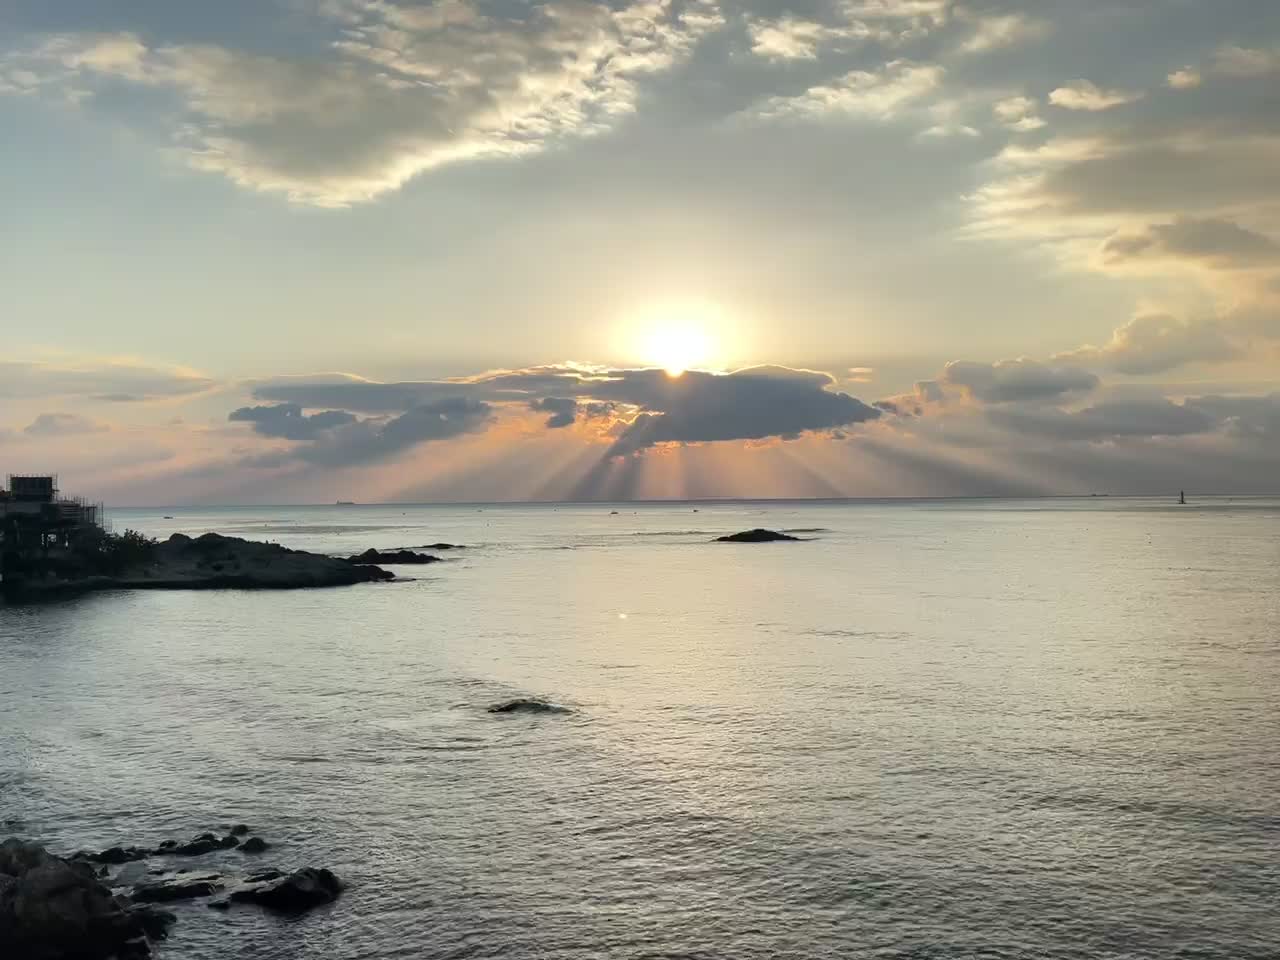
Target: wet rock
[
  {"x": 166, "y": 846},
  {"x": 200, "y": 845},
  {"x": 254, "y": 845},
  {"x": 222, "y": 903},
  {"x": 295, "y": 893},
  {"x": 114, "y": 855},
  {"x": 186, "y": 887},
  {"x": 51, "y": 908},
  {"x": 391, "y": 556},
  {"x": 261, "y": 875},
  {"x": 154, "y": 921},
  {"x": 756, "y": 536},
  {"x": 528, "y": 705},
  {"x": 442, "y": 546},
  {"x": 239, "y": 830}
]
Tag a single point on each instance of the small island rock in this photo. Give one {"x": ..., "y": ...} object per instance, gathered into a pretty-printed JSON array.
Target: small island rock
[
  {"x": 299, "y": 891},
  {"x": 756, "y": 536},
  {"x": 371, "y": 556}
]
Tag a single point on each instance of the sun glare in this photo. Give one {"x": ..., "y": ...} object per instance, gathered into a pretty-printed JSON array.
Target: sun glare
[{"x": 677, "y": 339}]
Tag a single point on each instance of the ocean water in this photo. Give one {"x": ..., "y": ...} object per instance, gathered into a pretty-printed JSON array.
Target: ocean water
[{"x": 934, "y": 730}]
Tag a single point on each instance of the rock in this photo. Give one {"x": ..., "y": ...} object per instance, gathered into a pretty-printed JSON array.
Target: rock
[
  {"x": 239, "y": 830},
  {"x": 154, "y": 921},
  {"x": 166, "y": 846},
  {"x": 299, "y": 891},
  {"x": 528, "y": 705},
  {"x": 391, "y": 556},
  {"x": 114, "y": 855},
  {"x": 186, "y": 887},
  {"x": 261, "y": 875},
  {"x": 222, "y": 903},
  {"x": 185, "y": 563},
  {"x": 200, "y": 845},
  {"x": 52, "y": 909},
  {"x": 442, "y": 546},
  {"x": 756, "y": 536},
  {"x": 254, "y": 845}
]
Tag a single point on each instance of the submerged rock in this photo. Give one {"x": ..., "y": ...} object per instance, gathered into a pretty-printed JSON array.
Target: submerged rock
[
  {"x": 114, "y": 855},
  {"x": 184, "y": 887},
  {"x": 254, "y": 845},
  {"x": 442, "y": 546},
  {"x": 299, "y": 891},
  {"x": 200, "y": 845},
  {"x": 391, "y": 556},
  {"x": 756, "y": 536},
  {"x": 52, "y": 908},
  {"x": 528, "y": 705},
  {"x": 239, "y": 830}
]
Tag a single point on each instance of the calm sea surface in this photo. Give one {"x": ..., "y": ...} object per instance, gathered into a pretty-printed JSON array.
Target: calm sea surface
[{"x": 937, "y": 730}]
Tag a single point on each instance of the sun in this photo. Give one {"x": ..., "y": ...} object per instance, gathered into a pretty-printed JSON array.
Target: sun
[
  {"x": 678, "y": 347},
  {"x": 676, "y": 337}
]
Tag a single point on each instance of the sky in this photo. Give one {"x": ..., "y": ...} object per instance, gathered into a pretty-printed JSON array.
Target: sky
[{"x": 290, "y": 251}]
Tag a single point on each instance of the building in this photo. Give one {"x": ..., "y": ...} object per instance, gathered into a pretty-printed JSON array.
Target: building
[{"x": 36, "y": 520}]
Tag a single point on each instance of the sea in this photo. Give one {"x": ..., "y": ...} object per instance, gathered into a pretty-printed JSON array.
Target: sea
[{"x": 926, "y": 730}]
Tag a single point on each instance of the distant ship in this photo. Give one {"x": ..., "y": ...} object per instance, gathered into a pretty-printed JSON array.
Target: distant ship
[
  {"x": 345, "y": 503},
  {"x": 1182, "y": 497}
]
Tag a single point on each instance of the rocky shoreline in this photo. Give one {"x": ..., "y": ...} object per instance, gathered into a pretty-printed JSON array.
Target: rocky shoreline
[
  {"x": 60, "y": 908},
  {"x": 213, "y": 562}
]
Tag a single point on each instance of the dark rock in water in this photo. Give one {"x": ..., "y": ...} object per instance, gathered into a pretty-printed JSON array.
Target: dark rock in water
[
  {"x": 200, "y": 845},
  {"x": 166, "y": 846},
  {"x": 528, "y": 705},
  {"x": 186, "y": 887},
  {"x": 391, "y": 556},
  {"x": 239, "y": 830},
  {"x": 222, "y": 903},
  {"x": 299, "y": 891},
  {"x": 261, "y": 875},
  {"x": 756, "y": 536},
  {"x": 254, "y": 845},
  {"x": 155, "y": 922},
  {"x": 51, "y": 909},
  {"x": 115, "y": 855},
  {"x": 442, "y": 546}
]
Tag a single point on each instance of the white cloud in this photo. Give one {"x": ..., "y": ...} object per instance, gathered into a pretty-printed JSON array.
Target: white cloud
[
  {"x": 879, "y": 94},
  {"x": 1157, "y": 342},
  {"x": 995, "y": 32},
  {"x": 1187, "y": 78},
  {"x": 1084, "y": 95},
  {"x": 1019, "y": 114},
  {"x": 408, "y": 89},
  {"x": 1246, "y": 62}
]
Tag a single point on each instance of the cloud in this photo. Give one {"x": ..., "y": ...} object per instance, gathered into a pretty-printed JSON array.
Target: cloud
[
  {"x": 1083, "y": 95},
  {"x": 1246, "y": 62},
  {"x": 648, "y": 406},
  {"x": 563, "y": 410},
  {"x": 1221, "y": 243},
  {"x": 63, "y": 425},
  {"x": 1019, "y": 114},
  {"x": 112, "y": 380},
  {"x": 1186, "y": 79},
  {"x": 335, "y": 439},
  {"x": 288, "y": 421},
  {"x": 1250, "y": 418},
  {"x": 751, "y": 404},
  {"x": 1154, "y": 343},
  {"x": 1018, "y": 381},
  {"x": 1007, "y": 30},
  {"x": 1110, "y": 420},
  {"x": 878, "y": 94},
  {"x": 407, "y": 88}
]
